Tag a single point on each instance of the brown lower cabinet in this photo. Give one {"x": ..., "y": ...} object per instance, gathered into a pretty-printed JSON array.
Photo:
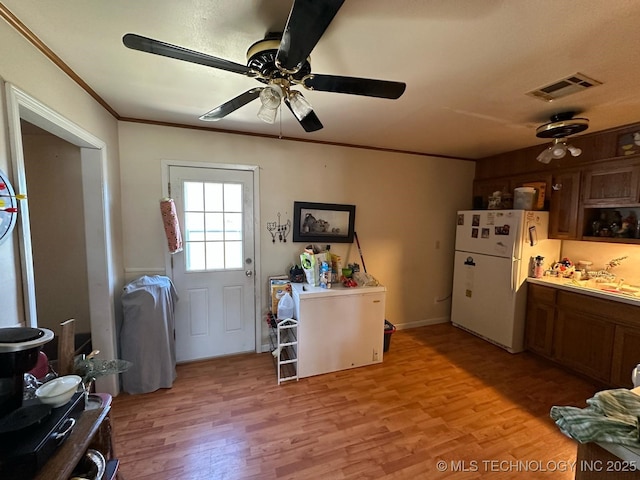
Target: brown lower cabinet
[{"x": 595, "y": 337}]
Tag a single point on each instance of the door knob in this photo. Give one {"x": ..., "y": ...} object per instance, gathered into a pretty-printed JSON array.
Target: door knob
[{"x": 248, "y": 273}]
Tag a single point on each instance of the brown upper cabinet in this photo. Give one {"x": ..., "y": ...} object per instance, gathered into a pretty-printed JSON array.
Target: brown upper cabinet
[
  {"x": 611, "y": 186},
  {"x": 563, "y": 208},
  {"x": 602, "y": 182}
]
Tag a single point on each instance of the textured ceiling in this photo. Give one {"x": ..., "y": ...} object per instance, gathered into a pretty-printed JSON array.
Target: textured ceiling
[{"x": 467, "y": 64}]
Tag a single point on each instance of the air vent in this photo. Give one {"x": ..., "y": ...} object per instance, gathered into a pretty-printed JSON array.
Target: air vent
[{"x": 566, "y": 86}]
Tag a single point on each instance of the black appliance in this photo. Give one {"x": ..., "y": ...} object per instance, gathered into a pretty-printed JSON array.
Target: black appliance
[
  {"x": 19, "y": 348},
  {"x": 24, "y": 450},
  {"x": 30, "y": 431}
]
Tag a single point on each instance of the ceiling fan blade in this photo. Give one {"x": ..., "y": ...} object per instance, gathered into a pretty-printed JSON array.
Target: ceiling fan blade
[
  {"x": 307, "y": 21},
  {"x": 355, "y": 86},
  {"x": 149, "y": 45},
  {"x": 310, "y": 122},
  {"x": 232, "y": 105}
]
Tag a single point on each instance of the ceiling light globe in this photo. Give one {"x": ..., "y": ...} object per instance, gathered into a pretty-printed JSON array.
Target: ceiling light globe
[
  {"x": 271, "y": 96},
  {"x": 545, "y": 156},
  {"x": 267, "y": 115},
  {"x": 575, "y": 151},
  {"x": 558, "y": 150},
  {"x": 299, "y": 105}
]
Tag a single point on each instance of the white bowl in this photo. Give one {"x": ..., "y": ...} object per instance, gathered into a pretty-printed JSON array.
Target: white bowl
[{"x": 58, "y": 391}]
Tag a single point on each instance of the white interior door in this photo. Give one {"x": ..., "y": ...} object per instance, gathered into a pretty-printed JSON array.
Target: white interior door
[{"x": 213, "y": 275}]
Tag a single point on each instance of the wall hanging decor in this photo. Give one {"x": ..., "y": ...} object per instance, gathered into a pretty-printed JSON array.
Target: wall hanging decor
[
  {"x": 8, "y": 207},
  {"x": 323, "y": 222},
  {"x": 279, "y": 230}
]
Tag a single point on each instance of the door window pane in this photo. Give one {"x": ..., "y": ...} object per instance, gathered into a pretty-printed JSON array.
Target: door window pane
[
  {"x": 233, "y": 226},
  {"x": 194, "y": 256},
  {"x": 213, "y": 197},
  {"x": 193, "y": 197},
  {"x": 233, "y": 197},
  {"x": 213, "y": 228},
  {"x": 215, "y": 256},
  {"x": 233, "y": 254},
  {"x": 193, "y": 226}
]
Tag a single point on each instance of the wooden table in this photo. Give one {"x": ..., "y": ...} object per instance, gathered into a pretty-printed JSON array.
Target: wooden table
[{"x": 92, "y": 430}]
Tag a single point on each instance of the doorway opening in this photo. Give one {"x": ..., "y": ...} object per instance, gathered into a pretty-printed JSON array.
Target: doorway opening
[
  {"x": 54, "y": 176},
  {"x": 23, "y": 108}
]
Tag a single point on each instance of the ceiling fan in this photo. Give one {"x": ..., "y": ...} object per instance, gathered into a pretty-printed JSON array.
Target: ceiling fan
[
  {"x": 559, "y": 128},
  {"x": 281, "y": 61}
]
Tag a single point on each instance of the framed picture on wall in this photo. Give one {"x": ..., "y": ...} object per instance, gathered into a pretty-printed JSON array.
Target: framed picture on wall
[{"x": 323, "y": 222}]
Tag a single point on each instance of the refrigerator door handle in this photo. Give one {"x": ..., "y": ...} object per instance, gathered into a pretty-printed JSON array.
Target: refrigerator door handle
[{"x": 515, "y": 268}]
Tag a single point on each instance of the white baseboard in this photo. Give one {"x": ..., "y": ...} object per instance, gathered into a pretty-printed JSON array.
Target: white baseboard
[{"x": 421, "y": 323}]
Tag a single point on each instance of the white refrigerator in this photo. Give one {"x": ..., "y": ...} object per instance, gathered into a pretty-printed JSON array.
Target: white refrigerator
[{"x": 493, "y": 258}]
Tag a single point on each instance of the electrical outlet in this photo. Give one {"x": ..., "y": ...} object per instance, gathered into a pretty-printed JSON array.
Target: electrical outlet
[{"x": 375, "y": 354}]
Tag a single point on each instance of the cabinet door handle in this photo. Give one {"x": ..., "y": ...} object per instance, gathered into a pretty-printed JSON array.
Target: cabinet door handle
[
  {"x": 376, "y": 301},
  {"x": 61, "y": 436}
]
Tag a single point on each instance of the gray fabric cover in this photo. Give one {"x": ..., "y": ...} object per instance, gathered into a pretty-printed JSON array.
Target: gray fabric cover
[{"x": 147, "y": 335}]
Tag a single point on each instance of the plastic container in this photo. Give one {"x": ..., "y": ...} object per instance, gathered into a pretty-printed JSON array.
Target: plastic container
[
  {"x": 389, "y": 329},
  {"x": 524, "y": 198}
]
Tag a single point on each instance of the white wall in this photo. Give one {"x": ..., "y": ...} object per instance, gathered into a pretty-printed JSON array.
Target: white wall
[
  {"x": 54, "y": 176},
  {"x": 405, "y": 206},
  {"x": 26, "y": 68}
]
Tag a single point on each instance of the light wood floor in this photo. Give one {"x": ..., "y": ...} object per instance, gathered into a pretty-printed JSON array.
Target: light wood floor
[{"x": 441, "y": 394}]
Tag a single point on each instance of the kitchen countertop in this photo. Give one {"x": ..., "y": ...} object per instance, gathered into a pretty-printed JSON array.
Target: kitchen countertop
[{"x": 585, "y": 287}]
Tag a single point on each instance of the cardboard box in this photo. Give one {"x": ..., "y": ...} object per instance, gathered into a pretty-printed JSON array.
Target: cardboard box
[
  {"x": 541, "y": 188},
  {"x": 278, "y": 289}
]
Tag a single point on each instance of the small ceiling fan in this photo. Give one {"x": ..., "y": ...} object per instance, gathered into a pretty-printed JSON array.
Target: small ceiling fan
[
  {"x": 559, "y": 128},
  {"x": 281, "y": 61}
]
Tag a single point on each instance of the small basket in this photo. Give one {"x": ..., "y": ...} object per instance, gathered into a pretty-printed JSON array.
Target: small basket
[{"x": 389, "y": 329}]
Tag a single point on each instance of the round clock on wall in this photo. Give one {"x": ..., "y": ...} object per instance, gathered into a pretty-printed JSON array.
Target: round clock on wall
[{"x": 8, "y": 207}]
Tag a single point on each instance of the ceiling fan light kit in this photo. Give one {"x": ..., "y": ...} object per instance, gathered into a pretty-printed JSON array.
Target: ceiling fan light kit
[
  {"x": 299, "y": 105},
  {"x": 561, "y": 126},
  {"x": 270, "y": 97},
  {"x": 281, "y": 61}
]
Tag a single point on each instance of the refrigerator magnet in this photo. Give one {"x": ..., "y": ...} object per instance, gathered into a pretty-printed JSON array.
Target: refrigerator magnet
[
  {"x": 491, "y": 218},
  {"x": 468, "y": 278},
  {"x": 503, "y": 230},
  {"x": 474, "y": 233},
  {"x": 460, "y": 219},
  {"x": 485, "y": 233},
  {"x": 475, "y": 220}
]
